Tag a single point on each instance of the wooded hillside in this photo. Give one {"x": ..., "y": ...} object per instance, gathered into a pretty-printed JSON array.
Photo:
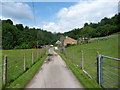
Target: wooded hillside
[
  {"x": 105, "y": 27},
  {"x": 19, "y": 37}
]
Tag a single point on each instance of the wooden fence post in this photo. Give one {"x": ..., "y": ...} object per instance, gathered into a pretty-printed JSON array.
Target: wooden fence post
[
  {"x": 32, "y": 58},
  {"x": 40, "y": 54},
  {"x": 24, "y": 62},
  {"x": 83, "y": 67},
  {"x": 5, "y": 71},
  {"x": 73, "y": 56},
  {"x": 37, "y": 54}
]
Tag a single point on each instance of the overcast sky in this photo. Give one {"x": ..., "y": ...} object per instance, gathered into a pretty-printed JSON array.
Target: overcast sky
[{"x": 58, "y": 16}]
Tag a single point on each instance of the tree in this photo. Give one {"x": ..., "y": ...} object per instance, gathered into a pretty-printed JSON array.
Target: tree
[
  {"x": 20, "y": 27},
  {"x": 86, "y": 24},
  {"x": 9, "y": 21},
  {"x": 93, "y": 25},
  {"x": 16, "y": 36},
  {"x": 26, "y": 27},
  {"x": 106, "y": 29},
  {"x": 87, "y": 31},
  {"x": 105, "y": 21}
]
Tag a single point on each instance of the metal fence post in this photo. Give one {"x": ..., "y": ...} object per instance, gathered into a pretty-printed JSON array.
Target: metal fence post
[
  {"x": 5, "y": 71},
  {"x": 99, "y": 69}
]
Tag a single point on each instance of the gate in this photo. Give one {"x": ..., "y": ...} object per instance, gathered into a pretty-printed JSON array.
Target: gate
[{"x": 105, "y": 77}]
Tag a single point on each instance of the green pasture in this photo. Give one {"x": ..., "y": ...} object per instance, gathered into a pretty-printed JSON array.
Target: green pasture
[
  {"x": 15, "y": 61},
  {"x": 107, "y": 47}
]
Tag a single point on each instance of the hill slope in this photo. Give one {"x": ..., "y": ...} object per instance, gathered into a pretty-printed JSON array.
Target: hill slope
[{"x": 107, "y": 47}]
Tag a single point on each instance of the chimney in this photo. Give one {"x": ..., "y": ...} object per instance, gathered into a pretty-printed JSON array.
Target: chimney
[{"x": 66, "y": 36}]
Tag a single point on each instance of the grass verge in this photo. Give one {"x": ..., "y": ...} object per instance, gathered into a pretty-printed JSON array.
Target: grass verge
[
  {"x": 26, "y": 77},
  {"x": 83, "y": 79}
]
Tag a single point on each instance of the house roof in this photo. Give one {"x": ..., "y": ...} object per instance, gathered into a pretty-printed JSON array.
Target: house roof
[
  {"x": 58, "y": 42},
  {"x": 69, "y": 40}
]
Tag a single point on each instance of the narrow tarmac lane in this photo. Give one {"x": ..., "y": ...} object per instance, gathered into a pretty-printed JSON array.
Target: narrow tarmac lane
[{"x": 54, "y": 74}]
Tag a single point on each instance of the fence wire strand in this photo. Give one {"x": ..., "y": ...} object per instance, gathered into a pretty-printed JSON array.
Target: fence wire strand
[{"x": 15, "y": 62}]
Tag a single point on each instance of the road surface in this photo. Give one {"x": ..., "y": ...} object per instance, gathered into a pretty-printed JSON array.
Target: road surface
[{"x": 54, "y": 74}]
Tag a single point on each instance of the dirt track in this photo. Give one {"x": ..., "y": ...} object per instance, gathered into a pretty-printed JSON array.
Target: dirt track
[{"x": 54, "y": 74}]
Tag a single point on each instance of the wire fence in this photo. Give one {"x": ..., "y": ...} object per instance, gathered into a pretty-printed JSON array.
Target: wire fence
[
  {"x": 84, "y": 61},
  {"x": 18, "y": 62},
  {"x": 87, "y": 62}
]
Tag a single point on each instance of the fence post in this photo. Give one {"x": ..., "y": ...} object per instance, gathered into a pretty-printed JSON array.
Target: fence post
[
  {"x": 37, "y": 54},
  {"x": 73, "y": 56},
  {"x": 24, "y": 62},
  {"x": 5, "y": 71},
  {"x": 32, "y": 58},
  {"x": 40, "y": 53},
  {"x": 82, "y": 61},
  {"x": 99, "y": 69}
]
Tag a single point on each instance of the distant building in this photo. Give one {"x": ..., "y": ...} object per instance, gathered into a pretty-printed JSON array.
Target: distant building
[
  {"x": 69, "y": 40},
  {"x": 66, "y": 40},
  {"x": 83, "y": 40},
  {"x": 58, "y": 42},
  {"x": 62, "y": 38},
  {"x": 51, "y": 45},
  {"x": 56, "y": 48},
  {"x": 37, "y": 46}
]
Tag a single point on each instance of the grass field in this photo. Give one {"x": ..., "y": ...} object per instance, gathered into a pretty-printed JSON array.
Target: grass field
[
  {"x": 15, "y": 61},
  {"x": 107, "y": 47},
  {"x": 23, "y": 80}
]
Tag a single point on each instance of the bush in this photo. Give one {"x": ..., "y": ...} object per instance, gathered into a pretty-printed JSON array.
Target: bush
[
  {"x": 23, "y": 46},
  {"x": 68, "y": 45}
]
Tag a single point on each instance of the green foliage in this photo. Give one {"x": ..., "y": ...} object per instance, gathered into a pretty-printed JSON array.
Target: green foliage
[
  {"x": 68, "y": 45},
  {"x": 19, "y": 26},
  {"x": 23, "y": 46},
  {"x": 9, "y": 21},
  {"x": 86, "y": 24},
  {"x": 87, "y": 31},
  {"x": 105, "y": 21},
  {"x": 105, "y": 27},
  {"x": 18, "y": 37}
]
